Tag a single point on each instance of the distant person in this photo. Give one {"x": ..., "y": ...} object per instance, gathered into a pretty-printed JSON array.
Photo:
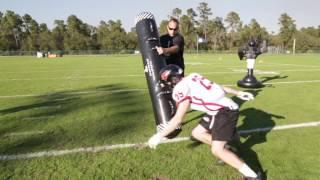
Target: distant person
[
  {"x": 172, "y": 44},
  {"x": 218, "y": 125}
]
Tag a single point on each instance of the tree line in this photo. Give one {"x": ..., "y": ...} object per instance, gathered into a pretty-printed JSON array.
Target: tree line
[{"x": 23, "y": 33}]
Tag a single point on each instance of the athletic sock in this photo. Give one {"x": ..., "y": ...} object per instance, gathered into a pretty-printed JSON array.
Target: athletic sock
[{"x": 247, "y": 171}]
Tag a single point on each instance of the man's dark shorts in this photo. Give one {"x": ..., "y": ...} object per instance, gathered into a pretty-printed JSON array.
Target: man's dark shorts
[{"x": 224, "y": 126}]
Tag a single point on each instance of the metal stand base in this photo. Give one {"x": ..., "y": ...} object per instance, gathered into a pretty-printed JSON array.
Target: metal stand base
[{"x": 249, "y": 81}]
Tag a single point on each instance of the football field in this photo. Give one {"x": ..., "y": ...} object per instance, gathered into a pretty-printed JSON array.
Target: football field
[{"x": 88, "y": 117}]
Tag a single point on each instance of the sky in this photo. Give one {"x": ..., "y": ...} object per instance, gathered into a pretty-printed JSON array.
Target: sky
[{"x": 306, "y": 13}]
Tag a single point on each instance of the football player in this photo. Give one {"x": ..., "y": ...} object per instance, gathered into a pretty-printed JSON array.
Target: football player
[{"x": 218, "y": 126}]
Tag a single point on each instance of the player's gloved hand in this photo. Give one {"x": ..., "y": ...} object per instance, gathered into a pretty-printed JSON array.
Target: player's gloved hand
[
  {"x": 159, "y": 50},
  {"x": 154, "y": 141},
  {"x": 245, "y": 96}
]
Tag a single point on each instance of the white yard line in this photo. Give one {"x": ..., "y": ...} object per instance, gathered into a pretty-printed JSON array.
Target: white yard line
[
  {"x": 23, "y": 133},
  {"x": 257, "y": 71},
  {"x": 233, "y": 71},
  {"x": 290, "y": 126},
  {"x": 71, "y": 78},
  {"x": 224, "y": 72},
  {"x": 49, "y": 107},
  {"x": 95, "y": 149},
  {"x": 73, "y": 93},
  {"x": 295, "y": 65},
  {"x": 38, "y": 118},
  {"x": 294, "y": 82},
  {"x": 299, "y": 70},
  {"x": 265, "y": 63},
  {"x": 136, "y": 90}
]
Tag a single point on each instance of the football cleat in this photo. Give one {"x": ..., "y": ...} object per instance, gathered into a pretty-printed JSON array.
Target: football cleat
[{"x": 259, "y": 177}]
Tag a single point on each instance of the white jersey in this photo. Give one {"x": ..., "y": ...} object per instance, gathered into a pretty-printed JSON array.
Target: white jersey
[{"x": 203, "y": 94}]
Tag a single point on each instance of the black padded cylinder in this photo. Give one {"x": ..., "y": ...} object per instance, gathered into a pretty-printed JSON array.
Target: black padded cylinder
[{"x": 148, "y": 37}]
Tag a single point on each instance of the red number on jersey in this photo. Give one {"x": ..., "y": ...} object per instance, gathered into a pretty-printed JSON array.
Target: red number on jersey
[
  {"x": 179, "y": 96},
  {"x": 206, "y": 83}
]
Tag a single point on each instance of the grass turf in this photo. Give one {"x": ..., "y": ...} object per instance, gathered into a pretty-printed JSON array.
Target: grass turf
[{"x": 81, "y": 101}]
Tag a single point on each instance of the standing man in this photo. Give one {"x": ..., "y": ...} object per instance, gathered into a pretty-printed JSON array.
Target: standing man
[
  {"x": 218, "y": 126},
  {"x": 172, "y": 44}
]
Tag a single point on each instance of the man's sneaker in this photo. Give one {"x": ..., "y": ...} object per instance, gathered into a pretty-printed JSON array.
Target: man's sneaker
[{"x": 259, "y": 177}]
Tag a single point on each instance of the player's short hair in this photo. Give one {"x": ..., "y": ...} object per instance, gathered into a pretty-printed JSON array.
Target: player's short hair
[{"x": 173, "y": 19}]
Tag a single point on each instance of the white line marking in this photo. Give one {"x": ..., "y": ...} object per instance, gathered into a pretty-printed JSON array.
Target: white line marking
[
  {"x": 23, "y": 133},
  {"x": 295, "y": 65},
  {"x": 39, "y": 117},
  {"x": 73, "y": 93},
  {"x": 284, "y": 82},
  {"x": 291, "y": 126},
  {"x": 299, "y": 70},
  {"x": 295, "y": 82},
  {"x": 233, "y": 71},
  {"x": 194, "y": 63},
  {"x": 137, "y": 145},
  {"x": 49, "y": 107},
  {"x": 72, "y": 78},
  {"x": 137, "y": 90},
  {"x": 223, "y": 72},
  {"x": 257, "y": 71}
]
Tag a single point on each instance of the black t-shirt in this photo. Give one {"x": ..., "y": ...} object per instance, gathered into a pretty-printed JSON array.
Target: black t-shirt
[{"x": 167, "y": 41}]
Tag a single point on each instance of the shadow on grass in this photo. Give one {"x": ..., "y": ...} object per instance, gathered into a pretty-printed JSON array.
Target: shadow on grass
[
  {"x": 67, "y": 119},
  {"x": 254, "y": 118},
  {"x": 195, "y": 142},
  {"x": 266, "y": 79}
]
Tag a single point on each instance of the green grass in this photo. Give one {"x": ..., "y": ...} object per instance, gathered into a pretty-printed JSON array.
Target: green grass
[{"x": 84, "y": 101}]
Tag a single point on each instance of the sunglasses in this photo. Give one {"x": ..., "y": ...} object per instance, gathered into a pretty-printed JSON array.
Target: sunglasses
[{"x": 172, "y": 29}]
